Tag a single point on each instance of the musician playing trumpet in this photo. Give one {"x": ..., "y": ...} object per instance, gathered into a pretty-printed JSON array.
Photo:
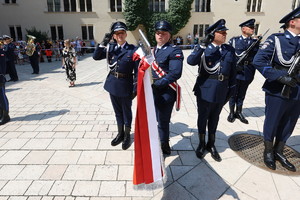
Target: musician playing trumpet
[{"x": 33, "y": 51}]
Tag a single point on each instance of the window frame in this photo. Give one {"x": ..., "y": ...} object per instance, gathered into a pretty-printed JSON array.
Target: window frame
[
  {"x": 87, "y": 32},
  {"x": 157, "y": 5},
  {"x": 202, "y": 5},
  {"x": 16, "y": 32},
  {"x": 295, "y": 4},
  {"x": 116, "y": 5},
  {"x": 55, "y": 30},
  {"x": 200, "y": 30},
  {"x": 254, "y": 6}
]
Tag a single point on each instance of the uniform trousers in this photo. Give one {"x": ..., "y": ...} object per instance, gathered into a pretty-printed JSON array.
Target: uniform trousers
[
  {"x": 3, "y": 98},
  {"x": 34, "y": 61},
  {"x": 122, "y": 108},
  {"x": 164, "y": 101},
  {"x": 208, "y": 115},
  {"x": 240, "y": 92},
  {"x": 11, "y": 69},
  {"x": 281, "y": 116}
]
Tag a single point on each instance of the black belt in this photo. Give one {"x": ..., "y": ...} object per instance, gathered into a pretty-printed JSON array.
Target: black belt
[
  {"x": 279, "y": 67},
  {"x": 219, "y": 77},
  {"x": 121, "y": 75}
]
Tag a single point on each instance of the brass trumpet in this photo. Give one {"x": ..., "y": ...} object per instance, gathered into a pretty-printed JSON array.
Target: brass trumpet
[{"x": 30, "y": 47}]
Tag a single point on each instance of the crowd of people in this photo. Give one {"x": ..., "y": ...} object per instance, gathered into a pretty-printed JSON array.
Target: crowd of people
[{"x": 50, "y": 50}]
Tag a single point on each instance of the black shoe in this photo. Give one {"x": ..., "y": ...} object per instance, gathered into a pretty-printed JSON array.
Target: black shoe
[
  {"x": 278, "y": 155},
  {"x": 126, "y": 142},
  {"x": 201, "y": 147},
  {"x": 5, "y": 117},
  {"x": 284, "y": 162},
  {"x": 200, "y": 151},
  {"x": 231, "y": 117},
  {"x": 10, "y": 80},
  {"x": 214, "y": 153},
  {"x": 240, "y": 116},
  {"x": 269, "y": 159},
  {"x": 165, "y": 147},
  {"x": 119, "y": 138}
]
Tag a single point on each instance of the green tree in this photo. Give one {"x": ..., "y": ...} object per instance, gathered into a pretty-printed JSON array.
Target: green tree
[
  {"x": 136, "y": 13},
  {"x": 40, "y": 36}
]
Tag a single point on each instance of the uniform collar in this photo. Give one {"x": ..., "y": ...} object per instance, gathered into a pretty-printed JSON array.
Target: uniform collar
[
  {"x": 123, "y": 45},
  {"x": 293, "y": 34}
]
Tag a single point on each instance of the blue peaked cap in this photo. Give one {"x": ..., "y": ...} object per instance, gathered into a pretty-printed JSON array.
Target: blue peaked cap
[
  {"x": 292, "y": 15},
  {"x": 248, "y": 23},
  {"x": 218, "y": 26}
]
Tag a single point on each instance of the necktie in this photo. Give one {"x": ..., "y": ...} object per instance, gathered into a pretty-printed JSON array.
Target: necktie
[
  {"x": 157, "y": 50},
  {"x": 217, "y": 52},
  {"x": 118, "y": 51}
]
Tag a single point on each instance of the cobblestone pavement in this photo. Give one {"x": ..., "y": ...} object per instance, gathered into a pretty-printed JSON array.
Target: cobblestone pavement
[{"x": 57, "y": 145}]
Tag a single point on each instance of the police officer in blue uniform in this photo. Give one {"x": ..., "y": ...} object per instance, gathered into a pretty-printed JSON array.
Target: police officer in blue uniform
[
  {"x": 120, "y": 80},
  {"x": 4, "y": 117},
  {"x": 214, "y": 85},
  {"x": 273, "y": 60},
  {"x": 170, "y": 59},
  {"x": 10, "y": 58},
  {"x": 245, "y": 69}
]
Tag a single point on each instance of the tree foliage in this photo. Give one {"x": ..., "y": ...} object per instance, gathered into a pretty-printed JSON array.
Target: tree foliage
[
  {"x": 40, "y": 36},
  {"x": 137, "y": 13}
]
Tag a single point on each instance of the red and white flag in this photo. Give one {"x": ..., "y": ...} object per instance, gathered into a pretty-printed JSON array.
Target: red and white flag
[{"x": 148, "y": 160}]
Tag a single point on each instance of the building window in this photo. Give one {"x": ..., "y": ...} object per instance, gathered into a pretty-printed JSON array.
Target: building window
[
  {"x": 57, "y": 32},
  {"x": 202, "y": 5},
  {"x": 16, "y": 32},
  {"x": 116, "y": 5},
  {"x": 70, "y": 5},
  {"x": 87, "y": 32},
  {"x": 199, "y": 29},
  {"x": 157, "y": 5},
  {"x": 85, "y": 5},
  {"x": 296, "y": 4},
  {"x": 254, "y": 5},
  {"x": 10, "y": 1},
  {"x": 53, "y": 5}
]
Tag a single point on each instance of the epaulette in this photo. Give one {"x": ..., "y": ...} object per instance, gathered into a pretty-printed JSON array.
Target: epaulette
[
  {"x": 227, "y": 46},
  {"x": 278, "y": 34}
]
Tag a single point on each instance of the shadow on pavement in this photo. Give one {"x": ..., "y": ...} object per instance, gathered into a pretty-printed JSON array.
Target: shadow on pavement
[
  {"x": 189, "y": 177},
  {"x": 41, "y": 116},
  {"x": 253, "y": 112},
  {"x": 88, "y": 84}
]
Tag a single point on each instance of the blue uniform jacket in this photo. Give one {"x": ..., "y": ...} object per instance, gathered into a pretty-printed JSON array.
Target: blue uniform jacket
[
  {"x": 9, "y": 49},
  {"x": 2, "y": 66},
  {"x": 278, "y": 49},
  {"x": 213, "y": 90},
  {"x": 120, "y": 87},
  {"x": 240, "y": 45},
  {"x": 170, "y": 59}
]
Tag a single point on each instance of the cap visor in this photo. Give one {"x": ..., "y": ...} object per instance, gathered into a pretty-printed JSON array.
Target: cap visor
[{"x": 119, "y": 29}]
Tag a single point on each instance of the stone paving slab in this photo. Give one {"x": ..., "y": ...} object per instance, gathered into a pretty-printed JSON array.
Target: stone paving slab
[{"x": 57, "y": 145}]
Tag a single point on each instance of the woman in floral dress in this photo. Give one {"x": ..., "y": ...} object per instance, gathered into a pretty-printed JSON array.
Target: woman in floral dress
[{"x": 69, "y": 61}]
